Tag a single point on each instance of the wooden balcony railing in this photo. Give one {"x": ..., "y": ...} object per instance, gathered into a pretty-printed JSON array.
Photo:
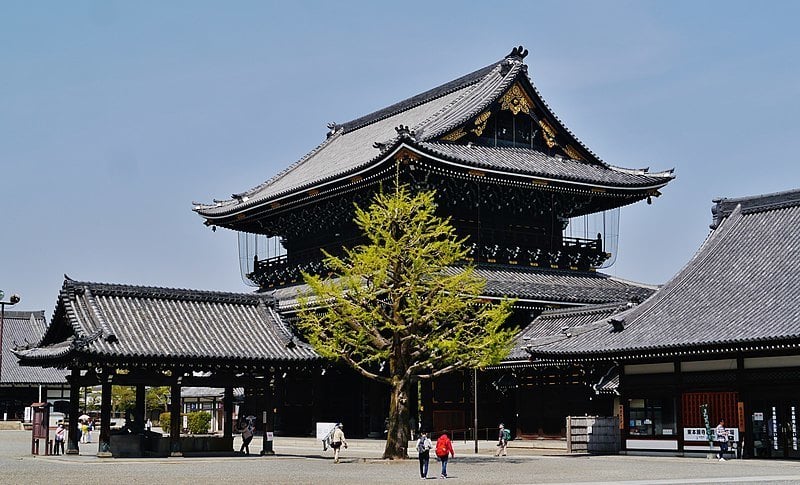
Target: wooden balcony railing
[{"x": 574, "y": 253}]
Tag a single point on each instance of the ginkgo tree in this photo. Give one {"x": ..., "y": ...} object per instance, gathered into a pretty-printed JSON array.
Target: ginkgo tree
[{"x": 403, "y": 306}]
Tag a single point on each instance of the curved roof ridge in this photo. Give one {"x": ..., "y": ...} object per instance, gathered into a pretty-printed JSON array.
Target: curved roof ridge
[
  {"x": 642, "y": 171},
  {"x": 419, "y": 99},
  {"x": 292, "y": 166},
  {"x": 487, "y": 92},
  {"x": 724, "y": 206},
  {"x": 242, "y": 196},
  {"x": 118, "y": 289},
  {"x": 405, "y": 105},
  {"x": 535, "y": 162},
  {"x": 582, "y": 310},
  {"x": 635, "y": 283},
  {"x": 96, "y": 315}
]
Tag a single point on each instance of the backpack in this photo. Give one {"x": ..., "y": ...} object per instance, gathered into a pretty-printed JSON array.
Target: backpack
[
  {"x": 441, "y": 448},
  {"x": 506, "y": 434},
  {"x": 421, "y": 445}
]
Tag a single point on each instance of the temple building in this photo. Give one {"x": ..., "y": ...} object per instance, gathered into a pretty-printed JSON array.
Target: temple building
[
  {"x": 539, "y": 208},
  {"x": 123, "y": 335},
  {"x": 20, "y": 386},
  {"x": 723, "y": 332}
]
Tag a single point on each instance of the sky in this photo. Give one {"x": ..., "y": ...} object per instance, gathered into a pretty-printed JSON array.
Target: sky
[{"x": 116, "y": 116}]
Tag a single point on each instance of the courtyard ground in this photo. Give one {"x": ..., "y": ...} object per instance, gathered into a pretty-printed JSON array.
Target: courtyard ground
[{"x": 302, "y": 461}]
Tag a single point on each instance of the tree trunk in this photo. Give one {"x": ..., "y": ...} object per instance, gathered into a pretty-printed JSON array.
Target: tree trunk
[{"x": 398, "y": 432}]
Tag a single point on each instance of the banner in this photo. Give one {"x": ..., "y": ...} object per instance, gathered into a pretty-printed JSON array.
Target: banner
[{"x": 704, "y": 412}]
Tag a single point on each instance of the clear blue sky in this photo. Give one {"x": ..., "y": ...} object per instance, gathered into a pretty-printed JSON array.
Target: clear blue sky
[{"x": 115, "y": 116}]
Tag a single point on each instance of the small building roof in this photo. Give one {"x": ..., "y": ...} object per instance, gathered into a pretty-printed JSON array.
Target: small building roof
[
  {"x": 553, "y": 324},
  {"x": 124, "y": 325},
  {"x": 20, "y": 328},
  {"x": 740, "y": 291}
]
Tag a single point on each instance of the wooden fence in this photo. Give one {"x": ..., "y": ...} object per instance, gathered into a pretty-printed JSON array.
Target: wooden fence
[{"x": 592, "y": 434}]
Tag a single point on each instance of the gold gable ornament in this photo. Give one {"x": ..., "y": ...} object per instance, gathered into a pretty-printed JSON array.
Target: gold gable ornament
[
  {"x": 548, "y": 133},
  {"x": 480, "y": 122},
  {"x": 516, "y": 100},
  {"x": 454, "y": 135},
  {"x": 572, "y": 153}
]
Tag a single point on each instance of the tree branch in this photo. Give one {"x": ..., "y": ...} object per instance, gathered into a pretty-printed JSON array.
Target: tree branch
[{"x": 364, "y": 372}]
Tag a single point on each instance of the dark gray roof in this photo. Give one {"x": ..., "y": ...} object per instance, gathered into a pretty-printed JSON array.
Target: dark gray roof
[
  {"x": 348, "y": 150},
  {"x": 554, "y": 286},
  {"x": 529, "y": 285},
  {"x": 19, "y": 328},
  {"x": 533, "y": 162},
  {"x": 740, "y": 290},
  {"x": 110, "y": 322},
  {"x": 550, "y": 323},
  {"x": 419, "y": 99},
  {"x": 345, "y": 152}
]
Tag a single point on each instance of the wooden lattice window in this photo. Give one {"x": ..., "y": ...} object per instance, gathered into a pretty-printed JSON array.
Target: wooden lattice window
[{"x": 721, "y": 405}]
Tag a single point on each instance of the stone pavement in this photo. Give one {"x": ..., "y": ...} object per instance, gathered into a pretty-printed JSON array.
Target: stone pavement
[{"x": 302, "y": 461}]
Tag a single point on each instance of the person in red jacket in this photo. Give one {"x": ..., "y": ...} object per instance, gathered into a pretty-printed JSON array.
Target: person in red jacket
[{"x": 444, "y": 449}]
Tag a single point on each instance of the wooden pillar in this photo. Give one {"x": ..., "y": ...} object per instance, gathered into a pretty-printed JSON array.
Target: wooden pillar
[
  {"x": 269, "y": 417},
  {"x": 74, "y": 412},
  {"x": 138, "y": 412},
  {"x": 175, "y": 419},
  {"x": 745, "y": 424},
  {"x": 227, "y": 405},
  {"x": 104, "y": 448}
]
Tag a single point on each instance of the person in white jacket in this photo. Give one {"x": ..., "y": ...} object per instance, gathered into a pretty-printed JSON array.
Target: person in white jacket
[
  {"x": 337, "y": 441},
  {"x": 424, "y": 446}
]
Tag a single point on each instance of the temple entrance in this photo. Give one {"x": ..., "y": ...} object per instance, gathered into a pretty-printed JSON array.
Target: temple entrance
[{"x": 775, "y": 428}]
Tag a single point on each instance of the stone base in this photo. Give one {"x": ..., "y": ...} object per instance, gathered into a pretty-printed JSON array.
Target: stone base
[
  {"x": 104, "y": 454},
  {"x": 12, "y": 426},
  {"x": 176, "y": 453}
]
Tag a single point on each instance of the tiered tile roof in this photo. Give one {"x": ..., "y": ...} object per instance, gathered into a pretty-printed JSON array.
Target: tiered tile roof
[{"x": 739, "y": 292}]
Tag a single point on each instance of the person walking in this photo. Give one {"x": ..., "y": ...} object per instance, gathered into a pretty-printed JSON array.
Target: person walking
[
  {"x": 61, "y": 434},
  {"x": 247, "y": 437},
  {"x": 502, "y": 440},
  {"x": 444, "y": 450},
  {"x": 337, "y": 441},
  {"x": 148, "y": 426},
  {"x": 721, "y": 435},
  {"x": 84, "y": 427},
  {"x": 424, "y": 446}
]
